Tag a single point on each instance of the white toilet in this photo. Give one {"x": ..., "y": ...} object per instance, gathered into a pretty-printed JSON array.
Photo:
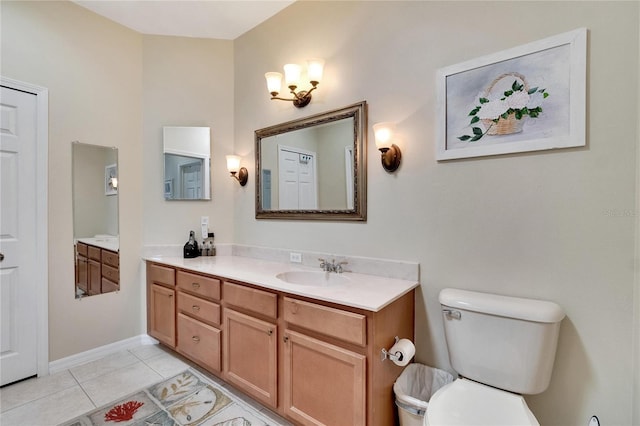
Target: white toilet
[{"x": 501, "y": 347}]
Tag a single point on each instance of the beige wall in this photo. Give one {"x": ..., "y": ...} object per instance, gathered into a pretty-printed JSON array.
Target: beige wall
[
  {"x": 92, "y": 68},
  {"x": 187, "y": 82},
  {"x": 543, "y": 225}
]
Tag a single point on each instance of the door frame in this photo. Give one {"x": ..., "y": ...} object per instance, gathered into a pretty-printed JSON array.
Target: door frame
[{"x": 41, "y": 243}]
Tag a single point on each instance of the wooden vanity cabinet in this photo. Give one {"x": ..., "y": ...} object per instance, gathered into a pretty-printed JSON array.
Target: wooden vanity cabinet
[
  {"x": 161, "y": 304},
  {"x": 250, "y": 341},
  {"x": 313, "y": 362},
  {"x": 97, "y": 269}
]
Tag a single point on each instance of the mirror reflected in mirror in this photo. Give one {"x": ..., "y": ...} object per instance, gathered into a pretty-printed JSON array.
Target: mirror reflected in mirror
[
  {"x": 95, "y": 219},
  {"x": 313, "y": 168},
  {"x": 187, "y": 162}
]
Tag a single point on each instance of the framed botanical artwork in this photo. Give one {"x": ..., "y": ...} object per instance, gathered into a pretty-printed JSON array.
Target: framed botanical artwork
[
  {"x": 111, "y": 179},
  {"x": 528, "y": 98}
]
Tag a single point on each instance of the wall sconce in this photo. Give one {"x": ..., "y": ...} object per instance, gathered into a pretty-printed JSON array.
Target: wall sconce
[
  {"x": 292, "y": 74},
  {"x": 240, "y": 173},
  {"x": 391, "y": 154}
]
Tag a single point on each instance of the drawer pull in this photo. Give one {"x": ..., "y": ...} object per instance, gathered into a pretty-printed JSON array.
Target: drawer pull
[
  {"x": 195, "y": 307},
  {"x": 195, "y": 285},
  {"x": 195, "y": 339}
]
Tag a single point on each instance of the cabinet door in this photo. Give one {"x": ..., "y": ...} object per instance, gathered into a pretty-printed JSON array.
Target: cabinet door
[
  {"x": 162, "y": 314},
  {"x": 324, "y": 384},
  {"x": 95, "y": 277},
  {"x": 250, "y": 352},
  {"x": 82, "y": 274}
]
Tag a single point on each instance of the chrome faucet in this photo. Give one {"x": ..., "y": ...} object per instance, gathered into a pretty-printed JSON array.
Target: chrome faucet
[{"x": 333, "y": 266}]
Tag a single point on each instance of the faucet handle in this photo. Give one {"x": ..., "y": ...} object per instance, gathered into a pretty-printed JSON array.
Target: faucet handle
[
  {"x": 339, "y": 265},
  {"x": 323, "y": 262}
]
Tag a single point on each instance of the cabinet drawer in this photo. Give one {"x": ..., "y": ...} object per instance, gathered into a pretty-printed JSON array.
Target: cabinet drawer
[
  {"x": 111, "y": 258},
  {"x": 81, "y": 248},
  {"x": 109, "y": 286},
  {"x": 199, "y": 284},
  {"x": 110, "y": 273},
  {"x": 161, "y": 274},
  {"x": 199, "y": 308},
  {"x": 343, "y": 325},
  {"x": 199, "y": 341},
  {"x": 252, "y": 299},
  {"x": 94, "y": 253}
]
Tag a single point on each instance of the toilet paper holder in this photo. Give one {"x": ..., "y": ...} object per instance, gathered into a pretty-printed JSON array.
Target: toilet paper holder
[{"x": 384, "y": 354}]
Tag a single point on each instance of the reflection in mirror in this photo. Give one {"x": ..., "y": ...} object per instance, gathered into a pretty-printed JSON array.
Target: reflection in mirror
[
  {"x": 95, "y": 219},
  {"x": 187, "y": 162},
  {"x": 313, "y": 168}
]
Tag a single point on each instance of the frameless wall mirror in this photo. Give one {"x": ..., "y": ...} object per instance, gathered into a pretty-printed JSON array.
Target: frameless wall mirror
[
  {"x": 314, "y": 168},
  {"x": 95, "y": 219},
  {"x": 187, "y": 162}
]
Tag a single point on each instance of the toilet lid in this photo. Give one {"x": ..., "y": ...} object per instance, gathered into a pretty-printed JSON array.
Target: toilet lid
[{"x": 465, "y": 402}]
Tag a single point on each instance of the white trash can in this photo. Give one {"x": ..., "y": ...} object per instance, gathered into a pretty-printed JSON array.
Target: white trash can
[{"x": 414, "y": 388}]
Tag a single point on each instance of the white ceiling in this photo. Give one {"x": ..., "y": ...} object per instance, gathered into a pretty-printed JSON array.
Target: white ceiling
[{"x": 219, "y": 19}]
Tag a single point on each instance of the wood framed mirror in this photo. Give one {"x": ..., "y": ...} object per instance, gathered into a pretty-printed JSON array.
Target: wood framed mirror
[{"x": 314, "y": 168}]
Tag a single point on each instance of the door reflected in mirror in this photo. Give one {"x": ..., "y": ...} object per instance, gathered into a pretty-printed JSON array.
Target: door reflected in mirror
[
  {"x": 95, "y": 219},
  {"x": 187, "y": 162}
]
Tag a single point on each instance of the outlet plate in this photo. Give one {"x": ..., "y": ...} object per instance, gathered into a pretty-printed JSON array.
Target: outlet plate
[
  {"x": 295, "y": 257},
  {"x": 204, "y": 226}
]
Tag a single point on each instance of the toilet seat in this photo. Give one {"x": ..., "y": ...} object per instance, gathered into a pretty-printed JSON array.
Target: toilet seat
[{"x": 465, "y": 402}]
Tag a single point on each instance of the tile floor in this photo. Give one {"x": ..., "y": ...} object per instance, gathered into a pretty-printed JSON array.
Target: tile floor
[{"x": 54, "y": 399}]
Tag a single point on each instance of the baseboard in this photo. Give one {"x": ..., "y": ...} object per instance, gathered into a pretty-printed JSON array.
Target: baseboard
[{"x": 100, "y": 352}]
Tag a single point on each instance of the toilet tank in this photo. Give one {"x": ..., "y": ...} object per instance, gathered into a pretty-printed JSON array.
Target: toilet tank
[{"x": 505, "y": 342}]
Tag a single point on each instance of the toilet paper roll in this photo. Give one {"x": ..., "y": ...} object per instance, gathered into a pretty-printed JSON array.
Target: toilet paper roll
[{"x": 404, "y": 350}]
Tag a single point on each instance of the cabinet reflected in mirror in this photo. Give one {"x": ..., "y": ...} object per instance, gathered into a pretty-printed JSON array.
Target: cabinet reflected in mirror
[
  {"x": 187, "y": 162},
  {"x": 95, "y": 184}
]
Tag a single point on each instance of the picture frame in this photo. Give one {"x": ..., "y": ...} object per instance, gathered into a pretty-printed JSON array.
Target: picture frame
[
  {"x": 168, "y": 188},
  {"x": 527, "y": 98},
  {"x": 111, "y": 179}
]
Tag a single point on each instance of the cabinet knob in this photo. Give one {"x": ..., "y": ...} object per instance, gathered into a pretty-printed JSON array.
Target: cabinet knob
[
  {"x": 286, "y": 339},
  {"x": 270, "y": 332},
  {"x": 195, "y": 339},
  {"x": 1, "y": 257},
  {"x": 195, "y": 307}
]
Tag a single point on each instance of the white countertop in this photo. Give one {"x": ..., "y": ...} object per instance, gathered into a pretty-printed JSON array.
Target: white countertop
[
  {"x": 107, "y": 243},
  {"x": 368, "y": 292}
]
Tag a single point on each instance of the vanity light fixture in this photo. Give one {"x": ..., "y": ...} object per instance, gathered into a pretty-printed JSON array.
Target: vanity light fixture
[
  {"x": 391, "y": 154},
  {"x": 292, "y": 74},
  {"x": 241, "y": 174}
]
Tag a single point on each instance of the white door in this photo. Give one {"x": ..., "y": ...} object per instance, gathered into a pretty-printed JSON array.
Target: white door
[
  {"x": 18, "y": 265},
  {"x": 297, "y": 187},
  {"x": 191, "y": 181}
]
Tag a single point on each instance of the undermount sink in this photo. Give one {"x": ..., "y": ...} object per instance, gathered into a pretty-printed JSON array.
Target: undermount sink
[{"x": 313, "y": 278}]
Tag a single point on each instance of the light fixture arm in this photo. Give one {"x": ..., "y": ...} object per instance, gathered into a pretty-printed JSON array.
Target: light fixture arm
[{"x": 300, "y": 99}]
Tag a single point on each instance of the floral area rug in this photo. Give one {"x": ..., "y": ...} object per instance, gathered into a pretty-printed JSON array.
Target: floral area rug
[{"x": 188, "y": 399}]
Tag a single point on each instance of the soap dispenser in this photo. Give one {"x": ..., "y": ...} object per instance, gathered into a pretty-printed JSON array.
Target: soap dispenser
[
  {"x": 191, "y": 247},
  {"x": 208, "y": 246}
]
